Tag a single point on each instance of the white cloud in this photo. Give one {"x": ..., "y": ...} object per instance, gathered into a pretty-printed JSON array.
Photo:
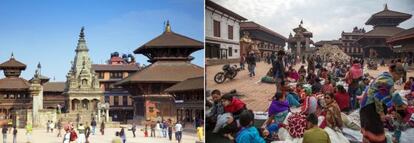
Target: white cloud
[{"x": 325, "y": 18}]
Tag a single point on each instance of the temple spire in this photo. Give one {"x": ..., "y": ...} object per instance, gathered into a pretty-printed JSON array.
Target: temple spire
[
  {"x": 82, "y": 34},
  {"x": 12, "y": 56},
  {"x": 385, "y": 7},
  {"x": 168, "y": 27}
]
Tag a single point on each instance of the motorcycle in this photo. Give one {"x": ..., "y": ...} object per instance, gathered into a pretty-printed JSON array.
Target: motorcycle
[{"x": 228, "y": 72}]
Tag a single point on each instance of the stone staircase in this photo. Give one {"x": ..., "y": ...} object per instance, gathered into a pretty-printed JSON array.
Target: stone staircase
[{"x": 85, "y": 118}]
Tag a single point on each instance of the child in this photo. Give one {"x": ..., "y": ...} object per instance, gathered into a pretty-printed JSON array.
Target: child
[
  {"x": 248, "y": 133},
  {"x": 200, "y": 132}
]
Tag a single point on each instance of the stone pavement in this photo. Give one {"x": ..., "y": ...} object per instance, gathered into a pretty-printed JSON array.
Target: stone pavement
[
  {"x": 257, "y": 95},
  {"x": 41, "y": 136}
]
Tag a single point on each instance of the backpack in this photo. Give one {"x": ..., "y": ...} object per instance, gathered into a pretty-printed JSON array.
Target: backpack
[{"x": 73, "y": 136}]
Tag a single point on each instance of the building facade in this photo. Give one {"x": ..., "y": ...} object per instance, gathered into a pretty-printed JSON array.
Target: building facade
[
  {"x": 267, "y": 40},
  {"x": 349, "y": 44},
  {"x": 385, "y": 25},
  {"x": 222, "y": 28},
  {"x": 403, "y": 44},
  {"x": 189, "y": 99},
  {"x": 120, "y": 101}
]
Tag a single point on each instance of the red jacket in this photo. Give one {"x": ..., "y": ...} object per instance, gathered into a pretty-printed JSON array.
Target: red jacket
[
  {"x": 235, "y": 106},
  {"x": 342, "y": 99}
]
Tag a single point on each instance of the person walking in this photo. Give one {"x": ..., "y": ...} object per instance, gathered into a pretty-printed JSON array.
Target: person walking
[
  {"x": 59, "y": 127},
  {"x": 133, "y": 129},
  {"x": 29, "y": 130},
  {"x": 153, "y": 129},
  {"x": 81, "y": 131},
  {"x": 122, "y": 135},
  {"x": 93, "y": 125},
  {"x": 251, "y": 64},
  {"x": 66, "y": 137},
  {"x": 47, "y": 126},
  {"x": 164, "y": 128},
  {"x": 14, "y": 134},
  {"x": 170, "y": 125},
  {"x": 51, "y": 126},
  {"x": 242, "y": 61},
  {"x": 159, "y": 129},
  {"x": 4, "y": 132},
  {"x": 87, "y": 132},
  {"x": 102, "y": 128},
  {"x": 178, "y": 131}
]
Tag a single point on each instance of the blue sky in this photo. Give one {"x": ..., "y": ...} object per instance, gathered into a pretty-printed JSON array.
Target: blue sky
[{"x": 46, "y": 31}]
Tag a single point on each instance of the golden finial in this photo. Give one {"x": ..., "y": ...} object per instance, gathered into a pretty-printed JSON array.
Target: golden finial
[{"x": 168, "y": 27}]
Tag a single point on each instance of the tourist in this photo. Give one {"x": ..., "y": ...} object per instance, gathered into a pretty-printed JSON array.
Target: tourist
[
  {"x": 122, "y": 135},
  {"x": 14, "y": 134},
  {"x": 117, "y": 138},
  {"x": 93, "y": 125},
  {"x": 248, "y": 133},
  {"x": 29, "y": 130},
  {"x": 251, "y": 63},
  {"x": 48, "y": 126},
  {"x": 4, "y": 132},
  {"x": 158, "y": 128},
  {"x": 170, "y": 129},
  {"x": 133, "y": 129},
  {"x": 66, "y": 136},
  {"x": 277, "y": 111},
  {"x": 152, "y": 125},
  {"x": 59, "y": 127},
  {"x": 200, "y": 132},
  {"x": 242, "y": 61},
  {"x": 87, "y": 132},
  {"x": 81, "y": 131},
  {"x": 314, "y": 134},
  {"x": 51, "y": 126},
  {"x": 164, "y": 128},
  {"x": 342, "y": 98},
  {"x": 178, "y": 131},
  {"x": 102, "y": 128}
]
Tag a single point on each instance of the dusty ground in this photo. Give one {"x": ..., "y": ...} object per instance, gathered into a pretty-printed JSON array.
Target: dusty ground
[
  {"x": 257, "y": 94},
  {"x": 41, "y": 136}
]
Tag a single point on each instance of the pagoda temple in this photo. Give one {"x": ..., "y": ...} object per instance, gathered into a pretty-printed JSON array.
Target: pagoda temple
[
  {"x": 301, "y": 41},
  {"x": 14, "y": 90},
  {"x": 385, "y": 25},
  {"x": 169, "y": 55}
]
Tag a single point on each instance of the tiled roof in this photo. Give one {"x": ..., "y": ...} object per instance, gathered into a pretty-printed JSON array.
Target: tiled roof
[
  {"x": 196, "y": 83},
  {"x": 14, "y": 83},
  {"x": 54, "y": 87},
  {"x": 164, "y": 71},
  {"x": 169, "y": 39},
  {"x": 253, "y": 25},
  {"x": 386, "y": 13},
  {"x": 107, "y": 67},
  {"x": 409, "y": 33},
  {"x": 383, "y": 32},
  {"x": 12, "y": 63},
  {"x": 224, "y": 10}
]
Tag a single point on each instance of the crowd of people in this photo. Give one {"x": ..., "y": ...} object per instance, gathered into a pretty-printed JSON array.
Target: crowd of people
[{"x": 317, "y": 102}]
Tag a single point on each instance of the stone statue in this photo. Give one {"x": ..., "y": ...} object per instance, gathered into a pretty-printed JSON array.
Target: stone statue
[{"x": 248, "y": 43}]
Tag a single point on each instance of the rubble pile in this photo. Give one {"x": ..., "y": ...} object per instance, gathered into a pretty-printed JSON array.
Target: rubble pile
[{"x": 332, "y": 52}]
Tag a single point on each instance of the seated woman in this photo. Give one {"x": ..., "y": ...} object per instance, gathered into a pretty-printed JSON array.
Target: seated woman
[
  {"x": 310, "y": 102},
  {"x": 327, "y": 87},
  {"x": 293, "y": 74},
  {"x": 233, "y": 105},
  {"x": 332, "y": 122},
  {"x": 278, "y": 110},
  {"x": 342, "y": 98},
  {"x": 292, "y": 97}
]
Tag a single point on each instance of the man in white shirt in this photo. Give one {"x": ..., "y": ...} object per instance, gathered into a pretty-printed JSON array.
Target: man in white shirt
[{"x": 178, "y": 131}]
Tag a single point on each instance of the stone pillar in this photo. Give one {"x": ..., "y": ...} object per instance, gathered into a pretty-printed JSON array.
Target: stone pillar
[
  {"x": 298, "y": 48},
  {"x": 37, "y": 93},
  {"x": 307, "y": 43},
  {"x": 107, "y": 115}
]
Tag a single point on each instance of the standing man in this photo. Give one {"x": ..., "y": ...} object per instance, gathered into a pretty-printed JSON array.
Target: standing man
[
  {"x": 93, "y": 125},
  {"x": 59, "y": 127},
  {"x": 14, "y": 134},
  {"x": 81, "y": 131},
  {"x": 152, "y": 129},
  {"x": 251, "y": 64},
  {"x": 4, "y": 132},
  {"x": 102, "y": 128},
  {"x": 170, "y": 125},
  {"x": 178, "y": 131},
  {"x": 133, "y": 129},
  {"x": 164, "y": 128},
  {"x": 278, "y": 69}
]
